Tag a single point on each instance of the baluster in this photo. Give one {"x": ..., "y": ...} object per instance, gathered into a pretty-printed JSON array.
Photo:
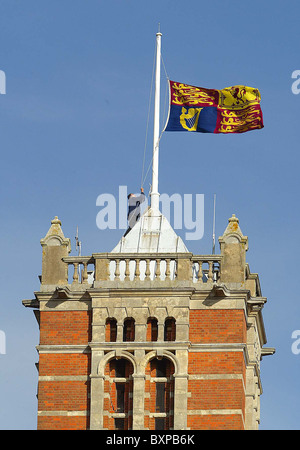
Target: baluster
[
  {"x": 127, "y": 272},
  {"x": 147, "y": 273},
  {"x": 210, "y": 271},
  {"x": 200, "y": 273},
  {"x": 217, "y": 268},
  {"x": 84, "y": 273},
  {"x": 175, "y": 268},
  {"x": 137, "y": 269},
  {"x": 117, "y": 271},
  {"x": 157, "y": 269},
  {"x": 75, "y": 275},
  {"x": 215, "y": 273},
  {"x": 168, "y": 273},
  {"x": 192, "y": 268}
]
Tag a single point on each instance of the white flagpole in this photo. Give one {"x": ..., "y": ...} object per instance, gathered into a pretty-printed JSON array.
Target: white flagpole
[
  {"x": 154, "y": 190},
  {"x": 214, "y": 226}
]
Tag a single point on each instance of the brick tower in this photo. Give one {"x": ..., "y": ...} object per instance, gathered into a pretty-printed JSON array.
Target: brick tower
[{"x": 149, "y": 336}]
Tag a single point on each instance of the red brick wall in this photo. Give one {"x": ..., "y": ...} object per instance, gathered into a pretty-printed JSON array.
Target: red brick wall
[
  {"x": 217, "y": 363},
  {"x": 215, "y": 422},
  {"x": 206, "y": 326},
  {"x": 64, "y": 328},
  {"x": 63, "y": 423},
  {"x": 63, "y": 395},
  {"x": 216, "y": 394},
  {"x": 217, "y": 325},
  {"x": 64, "y": 364}
]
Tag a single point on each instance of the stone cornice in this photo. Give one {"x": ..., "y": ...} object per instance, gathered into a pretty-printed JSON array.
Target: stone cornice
[
  {"x": 133, "y": 291},
  {"x": 255, "y": 306}
]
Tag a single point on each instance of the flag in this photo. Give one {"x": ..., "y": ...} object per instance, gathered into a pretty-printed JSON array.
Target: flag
[{"x": 235, "y": 109}]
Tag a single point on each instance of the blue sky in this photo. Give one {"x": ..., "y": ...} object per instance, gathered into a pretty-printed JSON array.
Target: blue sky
[{"x": 73, "y": 124}]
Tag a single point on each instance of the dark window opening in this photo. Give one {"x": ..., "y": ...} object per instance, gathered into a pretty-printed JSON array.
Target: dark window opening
[
  {"x": 113, "y": 330},
  {"x": 111, "y": 334},
  {"x": 153, "y": 329},
  {"x": 119, "y": 424},
  {"x": 159, "y": 423},
  {"x": 161, "y": 367},
  {"x": 128, "y": 330},
  {"x": 160, "y": 404},
  {"x": 120, "y": 392},
  {"x": 170, "y": 330},
  {"x": 120, "y": 368}
]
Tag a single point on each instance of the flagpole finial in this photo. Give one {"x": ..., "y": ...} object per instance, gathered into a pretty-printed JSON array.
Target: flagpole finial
[{"x": 154, "y": 191}]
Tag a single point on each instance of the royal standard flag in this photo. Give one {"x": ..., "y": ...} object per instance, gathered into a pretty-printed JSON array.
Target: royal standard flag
[{"x": 235, "y": 109}]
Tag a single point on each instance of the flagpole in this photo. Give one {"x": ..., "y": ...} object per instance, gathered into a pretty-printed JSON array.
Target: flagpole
[
  {"x": 154, "y": 191},
  {"x": 214, "y": 226}
]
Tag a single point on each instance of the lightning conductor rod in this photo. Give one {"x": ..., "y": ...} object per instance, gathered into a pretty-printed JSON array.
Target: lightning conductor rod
[
  {"x": 214, "y": 226},
  {"x": 78, "y": 243},
  {"x": 154, "y": 191}
]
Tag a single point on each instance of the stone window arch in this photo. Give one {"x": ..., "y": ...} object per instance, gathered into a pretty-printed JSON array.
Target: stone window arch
[
  {"x": 170, "y": 329},
  {"x": 129, "y": 330},
  {"x": 159, "y": 394},
  {"x": 110, "y": 329},
  {"x": 118, "y": 386},
  {"x": 152, "y": 329}
]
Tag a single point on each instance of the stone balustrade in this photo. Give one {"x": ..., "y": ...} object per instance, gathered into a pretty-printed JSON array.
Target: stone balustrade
[
  {"x": 161, "y": 267},
  {"x": 205, "y": 268},
  {"x": 80, "y": 264}
]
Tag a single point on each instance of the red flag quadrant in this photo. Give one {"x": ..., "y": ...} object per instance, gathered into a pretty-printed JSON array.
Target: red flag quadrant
[{"x": 235, "y": 109}]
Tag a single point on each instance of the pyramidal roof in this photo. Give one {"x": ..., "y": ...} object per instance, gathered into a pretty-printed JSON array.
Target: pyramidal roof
[{"x": 151, "y": 234}]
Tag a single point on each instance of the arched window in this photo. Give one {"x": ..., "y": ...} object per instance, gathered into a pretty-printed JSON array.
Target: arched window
[
  {"x": 152, "y": 330},
  {"x": 170, "y": 329},
  {"x": 110, "y": 330},
  {"x": 129, "y": 330},
  {"x": 161, "y": 394},
  {"x": 119, "y": 401}
]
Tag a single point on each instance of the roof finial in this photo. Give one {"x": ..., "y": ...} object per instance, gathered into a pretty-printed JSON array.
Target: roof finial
[
  {"x": 233, "y": 218},
  {"x": 56, "y": 220}
]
